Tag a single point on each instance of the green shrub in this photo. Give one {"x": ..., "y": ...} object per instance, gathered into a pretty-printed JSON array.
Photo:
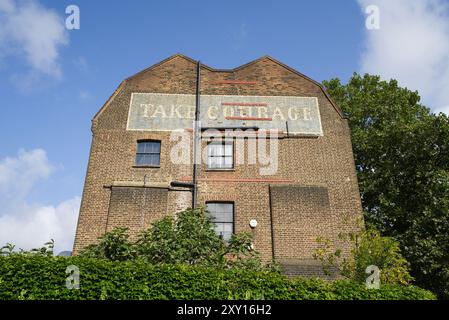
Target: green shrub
[
  {"x": 24, "y": 276},
  {"x": 368, "y": 248},
  {"x": 188, "y": 239},
  {"x": 113, "y": 245}
]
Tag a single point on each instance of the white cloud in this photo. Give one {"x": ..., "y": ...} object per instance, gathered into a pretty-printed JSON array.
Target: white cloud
[
  {"x": 31, "y": 225},
  {"x": 83, "y": 95},
  {"x": 33, "y": 31},
  {"x": 240, "y": 36},
  {"x": 412, "y": 46},
  {"x": 81, "y": 64},
  {"x": 19, "y": 174}
]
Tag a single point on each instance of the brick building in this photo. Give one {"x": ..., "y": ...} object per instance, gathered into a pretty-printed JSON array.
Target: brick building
[{"x": 138, "y": 168}]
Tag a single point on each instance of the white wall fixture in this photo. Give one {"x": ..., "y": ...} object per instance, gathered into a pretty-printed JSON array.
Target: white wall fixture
[{"x": 253, "y": 223}]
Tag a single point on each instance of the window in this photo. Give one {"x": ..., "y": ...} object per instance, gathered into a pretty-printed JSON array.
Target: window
[
  {"x": 148, "y": 153},
  {"x": 223, "y": 218},
  {"x": 220, "y": 155}
]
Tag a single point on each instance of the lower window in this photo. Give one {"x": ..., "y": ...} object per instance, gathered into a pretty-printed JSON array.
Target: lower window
[{"x": 222, "y": 214}]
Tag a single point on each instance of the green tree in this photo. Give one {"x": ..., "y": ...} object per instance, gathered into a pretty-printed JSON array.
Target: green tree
[
  {"x": 368, "y": 248},
  {"x": 45, "y": 250},
  {"x": 401, "y": 152},
  {"x": 187, "y": 239},
  {"x": 113, "y": 245}
]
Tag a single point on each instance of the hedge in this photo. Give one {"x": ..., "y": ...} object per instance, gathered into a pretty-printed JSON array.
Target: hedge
[{"x": 39, "y": 277}]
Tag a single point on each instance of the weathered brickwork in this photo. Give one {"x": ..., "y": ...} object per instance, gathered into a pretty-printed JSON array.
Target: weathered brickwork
[{"x": 313, "y": 193}]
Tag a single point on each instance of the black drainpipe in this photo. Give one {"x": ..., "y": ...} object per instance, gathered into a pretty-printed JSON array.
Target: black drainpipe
[
  {"x": 196, "y": 137},
  {"x": 271, "y": 223}
]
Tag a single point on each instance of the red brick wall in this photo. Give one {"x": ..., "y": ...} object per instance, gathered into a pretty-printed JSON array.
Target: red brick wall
[{"x": 324, "y": 164}]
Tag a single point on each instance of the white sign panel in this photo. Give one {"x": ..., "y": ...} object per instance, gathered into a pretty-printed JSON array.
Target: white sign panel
[{"x": 166, "y": 112}]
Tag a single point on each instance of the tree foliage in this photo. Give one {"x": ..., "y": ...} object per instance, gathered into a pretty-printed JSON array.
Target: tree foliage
[
  {"x": 401, "y": 152},
  {"x": 187, "y": 239},
  {"x": 113, "y": 245},
  {"x": 368, "y": 248},
  {"x": 45, "y": 250}
]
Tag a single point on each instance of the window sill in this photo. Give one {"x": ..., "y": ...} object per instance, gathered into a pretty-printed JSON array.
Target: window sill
[
  {"x": 146, "y": 167},
  {"x": 220, "y": 170}
]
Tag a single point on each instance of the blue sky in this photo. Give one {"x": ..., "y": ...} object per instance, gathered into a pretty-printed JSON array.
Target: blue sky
[{"x": 49, "y": 98}]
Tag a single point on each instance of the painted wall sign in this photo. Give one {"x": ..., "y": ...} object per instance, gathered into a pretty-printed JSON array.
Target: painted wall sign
[{"x": 166, "y": 112}]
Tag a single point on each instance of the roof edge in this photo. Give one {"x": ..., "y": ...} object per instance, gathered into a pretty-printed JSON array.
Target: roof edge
[
  {"x": 320, "y": 85},
  {"x": 179, "y": 55},
  {"x": 113, "y": 95},
  {"x": 176, "y": 55}
]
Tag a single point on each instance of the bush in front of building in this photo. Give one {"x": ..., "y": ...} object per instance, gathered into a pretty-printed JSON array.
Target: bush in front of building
[
  {"x": 188, "y": 239},
  {"x": 31, "y": 276},
  {"x": 368, "y": 248}
]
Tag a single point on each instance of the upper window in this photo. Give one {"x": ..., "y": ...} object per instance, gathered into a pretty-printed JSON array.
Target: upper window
[
  {"x": 220, "y": 155},
  {"x": 148, "y": 153},
  {"x": 223, "y": 218}
]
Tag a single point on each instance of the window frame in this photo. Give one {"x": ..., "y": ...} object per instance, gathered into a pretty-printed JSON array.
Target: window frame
[
  {"x": 233, "y": 214},
  {"x": 222, "y": 143},
  {"x": 147, "y": 153}
]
